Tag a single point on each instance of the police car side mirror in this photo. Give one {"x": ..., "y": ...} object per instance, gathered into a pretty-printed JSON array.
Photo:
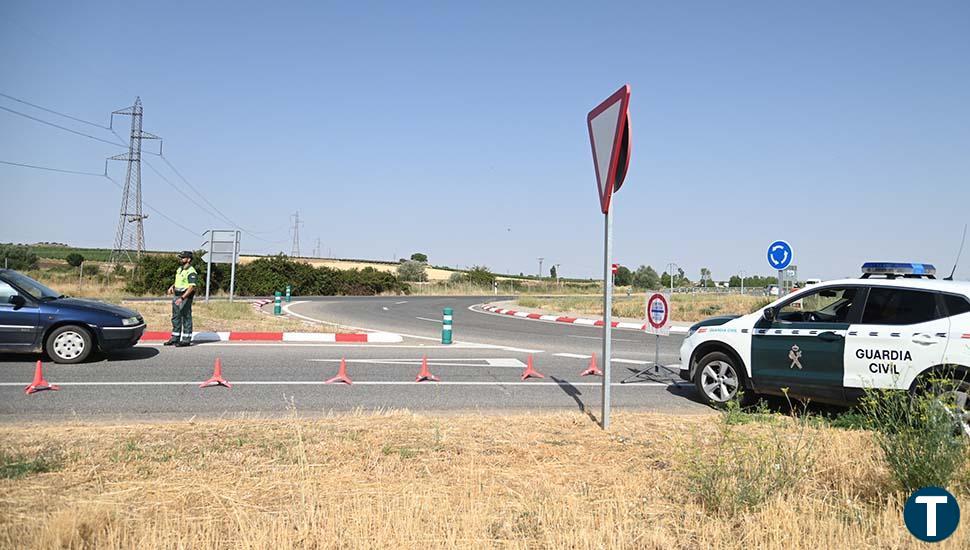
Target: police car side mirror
[{"x": 768, "y": 314}]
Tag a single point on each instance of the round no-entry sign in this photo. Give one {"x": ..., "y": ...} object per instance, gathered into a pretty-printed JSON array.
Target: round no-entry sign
[{"x": 658, "y": 311}]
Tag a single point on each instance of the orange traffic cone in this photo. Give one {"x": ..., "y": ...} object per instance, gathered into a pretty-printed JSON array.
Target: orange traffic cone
[
  {"x": 530, "y": 371},
  {"x": 217, "y": 379},
  {"x": 593, "y": 370},
  {"x": 39, "y": 384},
  {"x": 425, "y": 374},
  {"x": 341, "y": 374}
]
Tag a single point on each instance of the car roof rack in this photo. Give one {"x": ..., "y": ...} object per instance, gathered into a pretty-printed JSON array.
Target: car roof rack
[{"x": 893, "y": 270}]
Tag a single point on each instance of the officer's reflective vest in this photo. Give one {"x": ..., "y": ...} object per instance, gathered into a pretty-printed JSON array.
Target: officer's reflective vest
[{"x": 185, "y": 277}]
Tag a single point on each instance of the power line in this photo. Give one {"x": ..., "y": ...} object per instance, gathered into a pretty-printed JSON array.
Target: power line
[
  {"x": 49, "y": 169},
  {"x": 65, "y": 128},
  {"x": 58, "y": 113}
]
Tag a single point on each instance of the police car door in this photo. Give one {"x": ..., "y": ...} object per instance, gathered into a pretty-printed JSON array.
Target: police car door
[
  {"x": 803, "y": 348},
  {"x": 902, "y": 332}
]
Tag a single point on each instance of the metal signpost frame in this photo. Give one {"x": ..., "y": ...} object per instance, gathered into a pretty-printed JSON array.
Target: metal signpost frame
[
  {"x": 223, "y": 249},
  {"x": 657, "y": 320},
  {"x": 609, "y": 136}
]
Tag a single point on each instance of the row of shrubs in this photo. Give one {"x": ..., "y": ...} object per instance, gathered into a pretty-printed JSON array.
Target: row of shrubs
[{"x": 153, "y": 274}]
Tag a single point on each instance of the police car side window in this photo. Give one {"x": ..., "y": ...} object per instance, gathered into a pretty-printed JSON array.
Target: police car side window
[
  {"x": 826, "y": 305},
  {"x": 898, "y": 306},
  {"x": 955, "y": 305}
]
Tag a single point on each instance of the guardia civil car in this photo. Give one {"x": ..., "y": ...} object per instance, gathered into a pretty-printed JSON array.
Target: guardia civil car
[{"x": 894, "y": 327}]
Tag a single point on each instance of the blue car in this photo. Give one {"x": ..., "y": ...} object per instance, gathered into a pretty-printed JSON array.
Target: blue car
[{"x": 34, "y": 319}]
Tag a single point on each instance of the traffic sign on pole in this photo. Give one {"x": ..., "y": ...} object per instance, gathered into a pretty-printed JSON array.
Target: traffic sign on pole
[
  {"x": 609, "y": 136},
  {"x": 779, "y": 257},
  {"x": 615, "y": 268}
]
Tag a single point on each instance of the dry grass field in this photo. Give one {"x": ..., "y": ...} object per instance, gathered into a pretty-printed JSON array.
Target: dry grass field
[
  {"x": 402, "y": 480},
  {"x": 686, "y": 307}
]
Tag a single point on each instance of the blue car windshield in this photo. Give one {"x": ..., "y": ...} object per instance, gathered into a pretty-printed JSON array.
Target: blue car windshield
[{"x": 32, "y": 287}]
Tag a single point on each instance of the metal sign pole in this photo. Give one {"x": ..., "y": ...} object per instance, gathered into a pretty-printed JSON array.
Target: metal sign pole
[
  {"x": 208, "y": 268},
  {"x": 607, "y": 314},
  {"x": 781, "y": 273},
  {"x": 232, "y": 274}
]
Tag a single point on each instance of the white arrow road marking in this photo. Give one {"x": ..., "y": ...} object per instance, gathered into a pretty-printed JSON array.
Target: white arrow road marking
[
  {"x": 432, "y": 320},
  {"x": 399, "y": 303}
]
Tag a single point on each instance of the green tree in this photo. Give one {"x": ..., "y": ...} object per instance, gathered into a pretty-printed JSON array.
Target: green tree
[
  {"x": 552, "y": 272},
  {"x": 734, "y": 281},
  {"x": 481, "y": 276},
  {"x": 419, "y": 257},
  {"x": 646, "y": 277},
  {"x": 623, "y": 277},
  {"x": 705, "y": 277},
  {"x": 17, "y": 256},
  {"x": 412, "y": 270},
  {"x": 74, "y": 259}
]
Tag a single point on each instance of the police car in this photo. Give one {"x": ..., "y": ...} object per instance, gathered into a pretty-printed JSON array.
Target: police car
[{"x": 893, "y": 328}]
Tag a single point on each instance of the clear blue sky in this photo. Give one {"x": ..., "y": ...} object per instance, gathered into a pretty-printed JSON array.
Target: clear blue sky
[{"x": 460, "y": 131}]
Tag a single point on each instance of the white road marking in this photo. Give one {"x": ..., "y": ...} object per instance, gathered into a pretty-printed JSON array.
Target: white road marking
[
  {"x": 416, "y": 337},
  {"x": 598, "y": 338},
  {"x": 385, "y": 308},
  {"x": 356, "y": 383},
  {"x": 399, "y": 303},
  {"x": 432, "y": 320},
  {"x": 572, "y": 355},
  {"x": 510, "y": 363},
  {"x": 630, "y": 361},
  {"x": 280, "y": 344}
]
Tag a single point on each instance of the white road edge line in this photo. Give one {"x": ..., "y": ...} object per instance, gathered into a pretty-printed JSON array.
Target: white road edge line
[
  {"x": 356, "y": 383},
  {"x": 431, "y": 320}
]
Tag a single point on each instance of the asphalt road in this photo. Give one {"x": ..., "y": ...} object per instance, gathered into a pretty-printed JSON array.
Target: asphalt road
[{"x": 479, "y": 371}]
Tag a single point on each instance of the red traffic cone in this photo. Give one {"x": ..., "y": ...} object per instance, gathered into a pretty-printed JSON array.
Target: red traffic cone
[
  {"x": 593, "y": 370},
  {"x": 217, "y": 379},
  {"x": 39, "y": 384},
  {"x": 341, "y": 374},
  {"x": 530, "y": 371},
  {"x": 425, "y": 374}
]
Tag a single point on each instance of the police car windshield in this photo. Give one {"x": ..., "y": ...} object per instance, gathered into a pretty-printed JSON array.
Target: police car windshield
[{"x": 32, "y": 287}]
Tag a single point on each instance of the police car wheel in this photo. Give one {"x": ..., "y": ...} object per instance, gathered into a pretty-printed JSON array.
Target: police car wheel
[
  {"x": 718, "y": 379},
  {"x": 954, "y": 395},
  {"x": 69, "y": 344}
]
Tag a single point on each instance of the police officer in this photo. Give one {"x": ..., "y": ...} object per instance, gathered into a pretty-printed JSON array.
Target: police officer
[{"x": 186, "y": 279}]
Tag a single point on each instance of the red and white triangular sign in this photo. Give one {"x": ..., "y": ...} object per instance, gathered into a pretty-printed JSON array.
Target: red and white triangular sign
[{"x": 609, "y": 134}]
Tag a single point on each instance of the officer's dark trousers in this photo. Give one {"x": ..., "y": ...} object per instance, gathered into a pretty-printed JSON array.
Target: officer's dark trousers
[{"x": 182, "y": 320}]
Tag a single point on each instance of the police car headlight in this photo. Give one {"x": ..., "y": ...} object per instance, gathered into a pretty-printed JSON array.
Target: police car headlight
[{"x": 131, "y": 321}]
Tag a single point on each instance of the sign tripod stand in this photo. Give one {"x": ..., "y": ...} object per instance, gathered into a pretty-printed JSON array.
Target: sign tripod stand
[{"x": 658, "y": 323}]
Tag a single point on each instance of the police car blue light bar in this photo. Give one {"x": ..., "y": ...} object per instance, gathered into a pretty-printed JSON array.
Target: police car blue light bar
[{"x": 898, "y": 269}]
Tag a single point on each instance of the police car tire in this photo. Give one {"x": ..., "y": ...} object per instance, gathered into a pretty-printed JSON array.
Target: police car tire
[
  {"x": 747, "y": 397},
  {"x": 79, "y": 337}
]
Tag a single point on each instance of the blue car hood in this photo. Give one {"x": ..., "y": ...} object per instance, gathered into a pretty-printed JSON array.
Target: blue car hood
[{"x": 91, "y": 305}]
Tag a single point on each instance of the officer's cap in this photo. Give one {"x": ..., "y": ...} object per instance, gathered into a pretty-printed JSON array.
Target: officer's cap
[{"x": 185, "y": 254}]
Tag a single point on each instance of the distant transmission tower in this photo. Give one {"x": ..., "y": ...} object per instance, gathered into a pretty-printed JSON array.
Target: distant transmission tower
[
  {"x": 316, "y": 249},
  {"x": 131, "y": 239},
  {"x": 295, "y": 251}
]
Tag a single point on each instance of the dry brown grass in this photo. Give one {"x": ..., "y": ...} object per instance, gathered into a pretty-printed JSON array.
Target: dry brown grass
[
  {"x": 686, "y": 307},
  {"x": 224, "y": 316},
  {"x": 402, "y": 480}
]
